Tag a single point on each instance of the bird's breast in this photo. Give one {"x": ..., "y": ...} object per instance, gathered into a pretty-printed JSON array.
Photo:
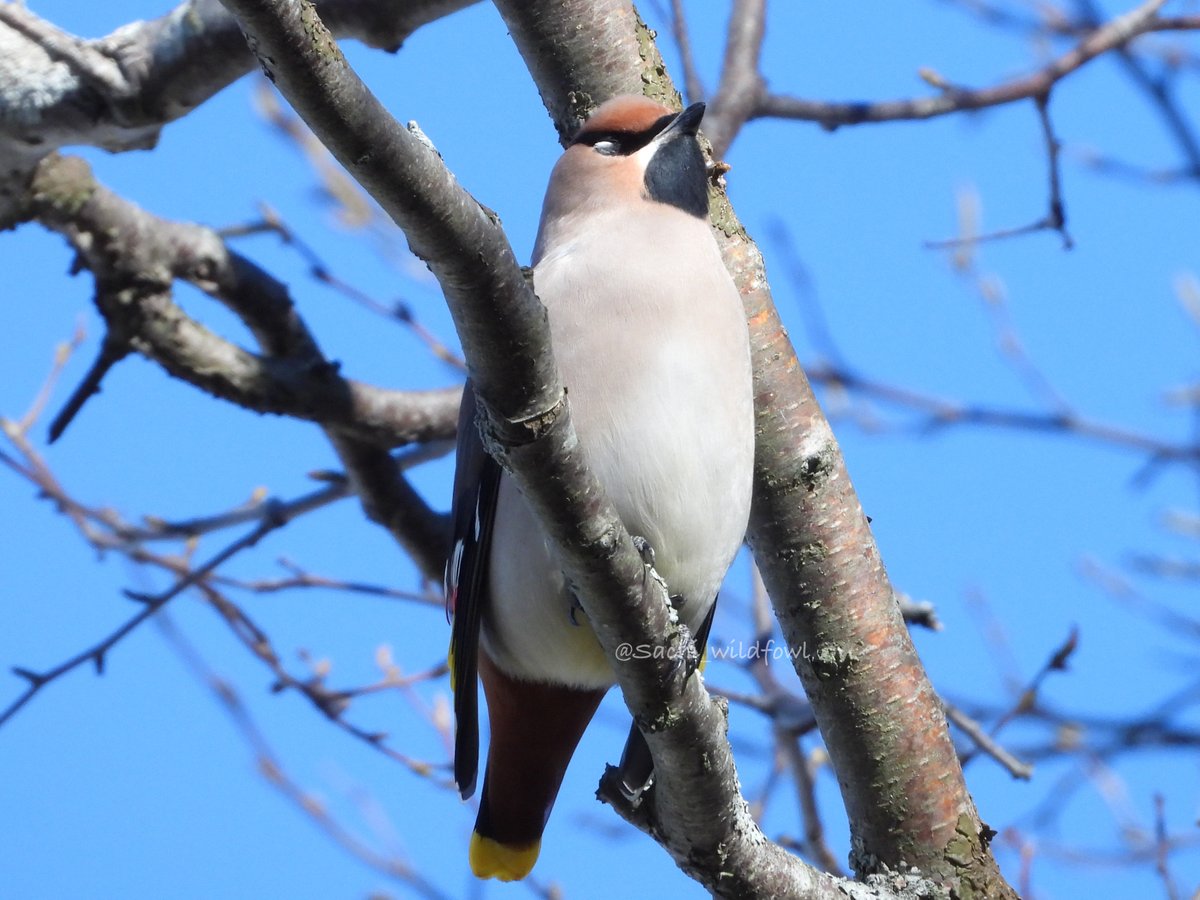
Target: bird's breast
[{"x": 650, "y": 339}]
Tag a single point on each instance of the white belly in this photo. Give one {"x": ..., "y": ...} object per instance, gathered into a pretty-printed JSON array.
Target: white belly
[{"x": 659, "y": 384}]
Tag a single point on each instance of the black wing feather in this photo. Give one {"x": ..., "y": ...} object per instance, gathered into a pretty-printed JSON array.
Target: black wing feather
[{"x": 476, "y": 487}]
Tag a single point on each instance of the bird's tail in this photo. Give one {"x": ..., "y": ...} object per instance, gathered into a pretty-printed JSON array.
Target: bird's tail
[{"x": 535, "y": 728}]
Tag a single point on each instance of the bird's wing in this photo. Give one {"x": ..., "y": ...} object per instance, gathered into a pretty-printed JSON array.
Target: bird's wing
[{"x": 476, "y": 487}]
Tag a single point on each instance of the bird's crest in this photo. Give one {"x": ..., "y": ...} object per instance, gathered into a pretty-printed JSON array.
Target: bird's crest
[{"x": 628, "y": 114}]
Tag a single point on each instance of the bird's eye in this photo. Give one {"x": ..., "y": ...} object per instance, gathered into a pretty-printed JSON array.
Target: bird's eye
[{"x": 606, "y": 147}]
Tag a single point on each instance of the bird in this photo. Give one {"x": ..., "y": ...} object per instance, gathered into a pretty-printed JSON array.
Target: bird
[{"x": 651, "y": 342}]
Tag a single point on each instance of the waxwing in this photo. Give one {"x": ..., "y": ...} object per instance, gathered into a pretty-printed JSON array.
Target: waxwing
[{"x": 650, "y": 338}]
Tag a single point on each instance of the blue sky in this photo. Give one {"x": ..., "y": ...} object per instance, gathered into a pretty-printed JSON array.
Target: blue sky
[{"x": 138, "y": 785}]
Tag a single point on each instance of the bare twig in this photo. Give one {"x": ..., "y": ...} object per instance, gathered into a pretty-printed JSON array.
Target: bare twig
[
  {"x": 329, "y": 702},
  {"x": 1162, "y": 847},
  {"x": 338, "y": 487},
  {"x": 1161, "y": 95},
  {"x": 397, "y": 311},
  {"x": 693, "y": 87},
  {"x": 1026, "y": 703},
  {"x": 97, "y": 653},
  {"x": 1109, "y": 165},
  {"x": 919, "y": 612},
  {"x": 1123, "y": 591},
  {"x": 1055, "y": 218},
  {"x": 62, "y": 356},
  {"x": 986, "y": 743},
  {"x": 1116, "y": 33},
  {"x": 1042, "y": 21},
  {"x": 1057, "y": 662},
  {"x": 299, "y": 578},
  {"x": 741, "y": 88},
  {"x": 105, "y": 530},
  {"x": 389, "y": 864},
  {"x": 815, "y": 846},
  {"x": 938, "y": 413},
  {"x": 112, "y": 351}
]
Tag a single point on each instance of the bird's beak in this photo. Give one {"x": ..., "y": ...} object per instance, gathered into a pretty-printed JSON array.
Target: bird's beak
[{"x": 687, "y": 122}]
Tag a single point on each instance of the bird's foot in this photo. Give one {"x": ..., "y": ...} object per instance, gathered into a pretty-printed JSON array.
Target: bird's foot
[
  {"x": 575, "y": 610},
  {"x": 694, "y": 657},
  {"x": 646, "y": 552}
]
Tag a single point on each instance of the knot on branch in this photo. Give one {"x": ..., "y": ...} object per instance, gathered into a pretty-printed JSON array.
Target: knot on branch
[
  {"x": 61, "y": 186},
  {"x": 501, "y": 434}
]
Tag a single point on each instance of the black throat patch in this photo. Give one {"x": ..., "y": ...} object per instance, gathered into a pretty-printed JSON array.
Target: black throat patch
[{"x": 676, "y": 176}]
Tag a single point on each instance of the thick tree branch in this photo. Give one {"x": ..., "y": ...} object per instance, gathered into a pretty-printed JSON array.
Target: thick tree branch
[
  {"x": 117, "y": 92},
  {"x": 460, "y": 240},
  {"x": 136, "y": 257},
  {"x": 131, "y": 249},
  {"x": 698, "y": 812},
  {"x": 505, "y": 337},
  {"x": 879, "y": 715}
]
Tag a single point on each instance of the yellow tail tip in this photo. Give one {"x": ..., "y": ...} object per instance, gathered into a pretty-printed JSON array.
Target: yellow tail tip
[{"x": 492, "y": 859}]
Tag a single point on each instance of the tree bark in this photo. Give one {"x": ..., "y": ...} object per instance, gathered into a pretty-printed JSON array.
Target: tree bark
[
  {"x": 879, "y": 716},
  {"x": 135, "y": 258},
  {"x": 117, "y": 92}
]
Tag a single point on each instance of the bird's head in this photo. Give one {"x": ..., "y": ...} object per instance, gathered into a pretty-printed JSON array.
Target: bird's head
[{"x": 635, "y": 150}]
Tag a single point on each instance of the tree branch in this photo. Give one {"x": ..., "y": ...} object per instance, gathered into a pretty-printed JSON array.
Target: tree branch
[
  {"x": 386, "y": 862},
  {"x": 693, "y": 86},
  {"x": 1116, "y": 33},
  {"x": 1055, "y": 218},
  {"x": 505, "y": 338},
  {"x": 1158, "y": 89},
  {"x": 105, "y": 530},
  {"x": 935, "y": 413},
  {"x": 97, "y": 653},
  {"x": 112, "y": 351},
  {"x": 742, "y": 88},
  {"x": 136, "y": 256},
  {"x": 117, "y": 92},
  {"x": 130, "y": 249},
  {"x": 880, "y": 717}
]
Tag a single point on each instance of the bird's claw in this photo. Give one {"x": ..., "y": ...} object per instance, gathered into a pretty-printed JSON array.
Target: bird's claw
[
  {"x": 689, "y": 657},
  {"x": 646, "y": 552}
]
